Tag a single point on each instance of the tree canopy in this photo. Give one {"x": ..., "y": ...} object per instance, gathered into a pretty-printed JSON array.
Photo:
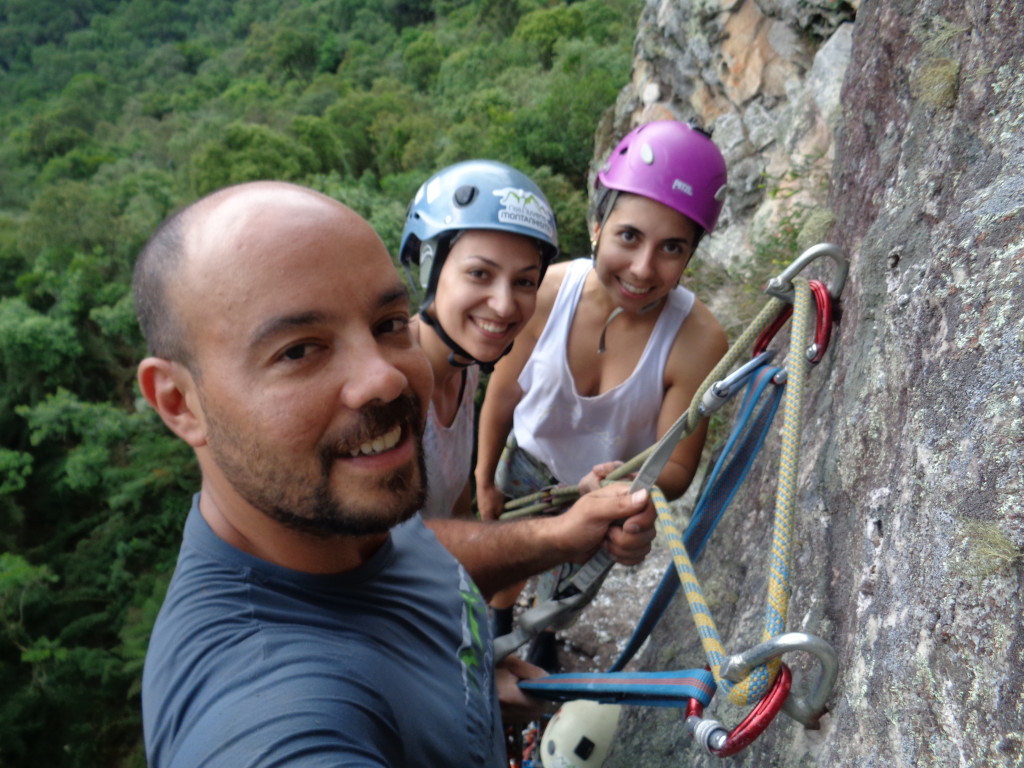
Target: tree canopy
[{"x": 113, "y": 113}]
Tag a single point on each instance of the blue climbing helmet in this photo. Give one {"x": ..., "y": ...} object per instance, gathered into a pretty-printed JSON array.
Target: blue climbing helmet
[{"x": 474, "y": 194}]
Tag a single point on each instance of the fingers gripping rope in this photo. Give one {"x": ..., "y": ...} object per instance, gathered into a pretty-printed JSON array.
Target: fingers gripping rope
[{"x": 754, "y": 686}]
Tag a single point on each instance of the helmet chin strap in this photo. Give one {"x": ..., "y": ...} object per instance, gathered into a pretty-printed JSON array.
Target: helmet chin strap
[{"x": 456, "y": 350}]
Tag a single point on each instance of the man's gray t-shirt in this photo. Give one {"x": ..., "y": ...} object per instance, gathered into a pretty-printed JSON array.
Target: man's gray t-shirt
[{"x": 252, "y": 664}]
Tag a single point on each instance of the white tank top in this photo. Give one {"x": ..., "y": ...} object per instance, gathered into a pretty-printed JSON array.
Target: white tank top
[
  {"x": 570, "y": 433},
  {"x": 449, "y": 452}
]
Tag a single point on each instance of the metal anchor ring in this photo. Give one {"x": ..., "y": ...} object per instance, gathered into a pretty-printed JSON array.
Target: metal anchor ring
[
  {"x": 809, "y": 708},
  {"x": 782, "y": 286}
]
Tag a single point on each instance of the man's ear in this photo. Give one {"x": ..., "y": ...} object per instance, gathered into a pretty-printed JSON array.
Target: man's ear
[{"x": 172, "y": 391}]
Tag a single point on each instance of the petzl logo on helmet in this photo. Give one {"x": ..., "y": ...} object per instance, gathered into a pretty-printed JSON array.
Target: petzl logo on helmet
[
  {"x": 525, "y": 209},
  {"x": 683, "y": 187}
]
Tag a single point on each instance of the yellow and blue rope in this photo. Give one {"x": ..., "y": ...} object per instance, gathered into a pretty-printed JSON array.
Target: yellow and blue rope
[{"x": 752, "y": 688}]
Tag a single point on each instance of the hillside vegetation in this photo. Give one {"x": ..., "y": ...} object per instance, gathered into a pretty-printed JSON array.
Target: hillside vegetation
[{"x": 114, "y": 113}]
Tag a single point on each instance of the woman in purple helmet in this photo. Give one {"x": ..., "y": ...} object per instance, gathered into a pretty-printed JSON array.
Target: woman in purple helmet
[{"x": 616, "y": 347}]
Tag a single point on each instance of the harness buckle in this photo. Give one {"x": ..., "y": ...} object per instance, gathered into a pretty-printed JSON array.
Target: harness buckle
[
  {"x": 809, "y": 708},
  {"x": 559, "y": 611},
  {"x": 782, "y": 286}
]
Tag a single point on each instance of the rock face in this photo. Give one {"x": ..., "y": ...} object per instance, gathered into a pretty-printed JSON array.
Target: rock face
[{"x": 896, "y": 130}]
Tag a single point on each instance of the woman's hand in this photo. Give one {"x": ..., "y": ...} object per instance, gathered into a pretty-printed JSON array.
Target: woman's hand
[
  {"x": 592, "y": 480},
  {"x": 490, "y": 502}
]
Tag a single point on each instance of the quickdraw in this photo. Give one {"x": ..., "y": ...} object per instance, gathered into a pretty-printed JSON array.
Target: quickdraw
[{"x": 756, "y": 677}]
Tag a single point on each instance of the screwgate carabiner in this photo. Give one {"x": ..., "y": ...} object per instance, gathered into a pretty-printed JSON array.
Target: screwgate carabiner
[
  {"x": 822, "y": 328},
  {"x": 713, "y": 737}
]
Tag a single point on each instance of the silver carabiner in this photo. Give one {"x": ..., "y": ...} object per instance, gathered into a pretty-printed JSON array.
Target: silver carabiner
[
  {"x": 723, "y": 389},
  {"x": 782, "y": 286},
  {"x": 809, "y": 708},
  {"x": 559, "y": 612}
]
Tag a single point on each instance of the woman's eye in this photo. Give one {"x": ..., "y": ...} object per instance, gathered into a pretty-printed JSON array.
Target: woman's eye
[
  {"x": 675, "y": 249},
  {"x": 627, "y": 236}
]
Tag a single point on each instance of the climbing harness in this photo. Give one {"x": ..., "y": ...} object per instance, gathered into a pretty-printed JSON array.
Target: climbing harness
[{"x": 756, "y": 677}]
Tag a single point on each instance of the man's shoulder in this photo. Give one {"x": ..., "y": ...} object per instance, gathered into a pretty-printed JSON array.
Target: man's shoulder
[{"x": 298, "y": 704}]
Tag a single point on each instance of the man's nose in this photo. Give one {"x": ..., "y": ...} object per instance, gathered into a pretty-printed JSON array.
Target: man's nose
[{"x": 373, "y": 377}]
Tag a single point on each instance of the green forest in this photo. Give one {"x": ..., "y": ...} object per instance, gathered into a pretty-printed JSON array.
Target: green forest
[{"x": 112, "y": 114}]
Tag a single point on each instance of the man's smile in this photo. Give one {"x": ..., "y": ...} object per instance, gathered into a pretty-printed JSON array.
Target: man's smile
[{"x": 380, "y": 444}]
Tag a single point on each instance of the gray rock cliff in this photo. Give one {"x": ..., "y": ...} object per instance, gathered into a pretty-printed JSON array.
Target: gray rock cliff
[{"x": 896, "y": 130}]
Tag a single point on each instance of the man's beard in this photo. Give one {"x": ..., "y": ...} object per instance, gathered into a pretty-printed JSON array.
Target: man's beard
[{"x": 313, "y": 507}]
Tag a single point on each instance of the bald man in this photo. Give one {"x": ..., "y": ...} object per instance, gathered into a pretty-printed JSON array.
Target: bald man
[{"x": 313, "y": 619}]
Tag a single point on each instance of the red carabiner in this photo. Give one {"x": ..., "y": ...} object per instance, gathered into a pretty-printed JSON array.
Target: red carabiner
[
  {"x": 753, "y": 725},
  {"x": 769, "y": 333},
  {"x": 822, "y": 328}
]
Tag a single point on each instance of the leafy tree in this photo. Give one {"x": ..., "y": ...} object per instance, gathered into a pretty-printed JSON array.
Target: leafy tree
[
  {"x": 423, "y": 59},
  {"x": 368, "y": 122},
  {"x": 543, "y": 29},
  {"x": 295, "y": 52},
  {"x": 499, "y": 16},
  {"x": 56, "y": 134},
  {"x": 35, "y": 350},
  {"x": 78, "y": 163},
  {"x": 250, "y": 152},
  {"x": 579, "y": 90},
  {"x": 315, "y": 133},
  {"x": 115, "y": 112}
]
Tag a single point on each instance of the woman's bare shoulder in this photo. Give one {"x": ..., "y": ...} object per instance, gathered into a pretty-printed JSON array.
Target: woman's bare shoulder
[
  {"x": 699, "y": 345},
  {"x": 549, "y": 287}
]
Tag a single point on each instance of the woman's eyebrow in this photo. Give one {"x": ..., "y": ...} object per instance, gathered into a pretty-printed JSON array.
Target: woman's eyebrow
[{"x": 496, "y": 264}]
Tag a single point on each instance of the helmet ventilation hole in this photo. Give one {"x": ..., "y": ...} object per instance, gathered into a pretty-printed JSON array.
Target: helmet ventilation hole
[
  {"x": 465, "y": 195},
  {"x": 585, "y": 748}
]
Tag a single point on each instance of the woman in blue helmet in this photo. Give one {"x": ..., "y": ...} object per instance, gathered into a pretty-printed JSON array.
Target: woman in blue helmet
[{"x": 483, "y": 235}]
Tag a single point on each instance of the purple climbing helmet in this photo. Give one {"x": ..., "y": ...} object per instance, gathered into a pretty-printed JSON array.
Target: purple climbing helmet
[{"x": 673, "y": 163}]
